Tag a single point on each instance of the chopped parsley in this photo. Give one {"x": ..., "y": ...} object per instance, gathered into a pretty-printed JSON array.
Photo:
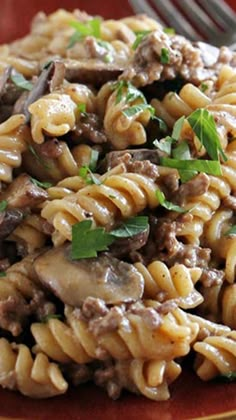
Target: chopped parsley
[
  {"x": 137, "y": 109},
  {"x": 19, "y": 80},
  {"x": 178, "y": 128},
  {"x": 226, "y": 377},
  {"x": 90, "y": 28},
  {"x": 3, "y": 205},
  {"x": 41, "y": 184},
  {"x": 82, "y": 108},
  {"x": 46, "y": 318},
  {"x": 132, "y": 93},
  {"x": 93, "y": 160},
  {"x": 39, "y": 158},
  {"x": 164, "y": 144},
  {"x": 203, "y": 87},
  {"x": 210, "y": 167},
  {"x": 167, "y": 204},
  {"x": 87, "y": 242},
  {"x": 86, "y": 173},
  {"x": 3, "y": 274},
  {"x": 170, "y": 31},
  {"x": 203, "y": 125},
  {"x": 165, "y": 56},
  {"x": 140, "y": 35},
  {"x": 231, "y": 231}
]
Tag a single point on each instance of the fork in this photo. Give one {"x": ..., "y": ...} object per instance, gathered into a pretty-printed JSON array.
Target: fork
[{"x": 210, "y": 20}]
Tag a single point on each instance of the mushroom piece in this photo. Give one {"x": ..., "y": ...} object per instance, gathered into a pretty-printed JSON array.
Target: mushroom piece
[{"x": 104, "y": 277}]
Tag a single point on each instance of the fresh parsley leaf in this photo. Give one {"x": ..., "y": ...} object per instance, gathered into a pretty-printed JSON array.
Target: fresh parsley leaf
[
  {"x": 131, "y": 227},
  {"x": 140, "y": 35},
  {"x": 203, "y": 125},
  {"x": 167, "y": 204},
  {"x": 170, "y": 31},
  {"x": 132, "y": 93},
  {"x": 86, "y": 242},
  {"x": 137, "y": 109},
  {"x": 203, "y": 87},
  {"x": 177, "y": 128},
  {"x": 39, "y": 158},
  {"x": 165, "y": 56},
  {"x": 231, "y": 231},
  {"x": 210, "y": 167},
  {"x": 88, "y": 176},
  {"x": 46, "y": 318},
  {"x": 164, "y": 145},
  {"x": 90, "y": 28},
  {"x": 19, "y": 80},
  {"x": 82, "y": 108},
  {"x": 162, "y": 125},
  {"x": 182, "y": 151},
  {"x": 3, "y": 205},
  {"x": 186, "y": 175},
  {"x": 108, "y": 58},
  {"x": 227, "y": 377},
  {"x": 93, "y": 160},
  {"x": 3, "y": 274},
  {"x": 41, "y": 184}
]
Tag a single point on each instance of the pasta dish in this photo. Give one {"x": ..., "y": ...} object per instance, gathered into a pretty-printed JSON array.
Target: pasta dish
[{"x": 117, "y": 207}]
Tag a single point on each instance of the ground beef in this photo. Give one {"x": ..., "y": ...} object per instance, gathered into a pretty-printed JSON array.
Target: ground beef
[
  {"x": 78, "y": 374},
  {"x": 196, "y": 186},
  {"x": 211, "y": 277},
  {"x": 13, "y": 314},
  {"x": 109, "y": 322},
  {"x": 93, "y": 307},
  {"x": 194, "y": 62},
  {"x": 9, "y": 220},
  {"x": 90, "y": 128},
  {"x": 51, "y": 149},
  {"x": 127, "y": 156}
]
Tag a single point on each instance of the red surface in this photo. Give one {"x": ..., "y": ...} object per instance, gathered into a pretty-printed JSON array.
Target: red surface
[
  {"x": 15, "y": 15},
  {"x": 190, "y": 397}
]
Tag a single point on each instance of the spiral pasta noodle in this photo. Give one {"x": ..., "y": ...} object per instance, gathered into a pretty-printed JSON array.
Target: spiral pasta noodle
[
  {"x": 150, "y": 378},
  {"x": 35, "y": 378},
  {"x": 132, "y": 338},
  {"x": 124, "y": 194},
  {"x": 12, "y": 140},
  {"x": 174, "y": 283}
]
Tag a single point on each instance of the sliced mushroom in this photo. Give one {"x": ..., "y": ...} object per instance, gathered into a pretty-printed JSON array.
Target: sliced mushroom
[
  {"x": 104, "y": 277},
  {"x": 91, "y": 71},
  {"x": 22, "y": 193}
]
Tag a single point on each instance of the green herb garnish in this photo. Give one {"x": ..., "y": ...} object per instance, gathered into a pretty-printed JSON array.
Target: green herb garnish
[
  {"x": 131, "y": 227},
  {"x": 3, "y": 205},
  {"x": 210, "y": 167},
  {"x": 86, "y": 173},
  {"x": 182, "y": 151},
  {"x": 132, "y": 93},
  {"x": 178, "y": 128},
  {"x": 167, "y": 204},
  {"x": 231, "y": 231},
  {"x": 90, "y": 28},
  {"x": 164, "y": 145},
  {"x": 203, "y": 125},
  {"x": 226, "y": 377},
  {"x": 170, "y": 31},
  {"x": 41, "y": 184},
  {"x": 19, "y": 80},
  {"x": 203, "y": 87},
  {"x": 93, "y": 160},
  {"x": 137, "y": 109},
  {"x": 46, "y": 318},
  {"x": 140, "y": 35},
  {"x": 39, "y": 158},
  {"x": 165, "y": 56},
  {"x": 3, "y": 274},
  {"x": 87, "y": 242},
  {"x": 82, "y": 108}
]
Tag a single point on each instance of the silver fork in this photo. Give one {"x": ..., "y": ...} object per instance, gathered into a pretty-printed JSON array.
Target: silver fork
[{"x": 210, "y": 20}]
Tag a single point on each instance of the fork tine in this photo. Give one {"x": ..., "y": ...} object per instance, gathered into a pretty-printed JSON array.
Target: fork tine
[
  {"x": 174, "y": 18},
  {"x": 221, "y": 12},
  {"x": 199, "y": 17},
  {"x": 142, "y": 6}
]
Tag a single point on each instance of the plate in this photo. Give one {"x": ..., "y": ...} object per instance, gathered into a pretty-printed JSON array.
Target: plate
[{"x": 190, "y": 397}]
